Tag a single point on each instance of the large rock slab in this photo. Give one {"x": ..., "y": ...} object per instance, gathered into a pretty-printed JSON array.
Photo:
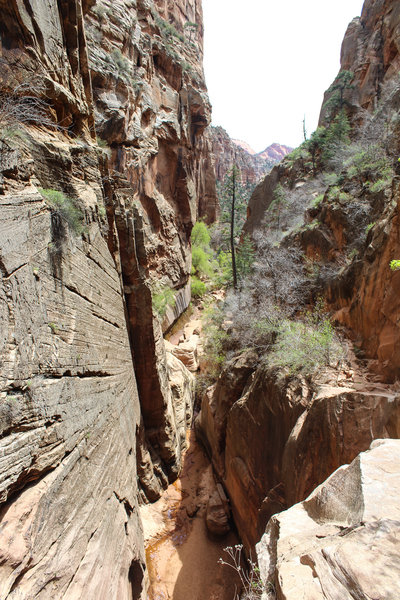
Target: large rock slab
[{"x": 343, "y": 542}]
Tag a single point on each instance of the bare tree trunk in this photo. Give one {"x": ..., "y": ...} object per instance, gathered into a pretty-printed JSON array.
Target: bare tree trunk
[{"x": 234, "y": 272}]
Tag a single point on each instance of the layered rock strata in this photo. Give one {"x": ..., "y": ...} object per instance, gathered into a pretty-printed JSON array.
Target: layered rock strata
[
  {"x": 92, "y": 411},
  {"x": 343, "y": 541}
]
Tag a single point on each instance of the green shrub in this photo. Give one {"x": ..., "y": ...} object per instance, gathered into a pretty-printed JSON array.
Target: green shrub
[
  {"x": 380, "y": 185},
  {"x": 162, "y": 297},
  {"x": 395, "y": 264},
  {"x": 120, "y": 61},
  {"x": 201, "y": 263},
  {"x": 215, "y": 338},
  {"x": 317, "y": 201},
  {"x": 369, "y": 164},
  {"x": 198, "y": 287},
  {"x": 66, "y": 207},
  {"x": 200, "y": 236},
  {"x": 369, "y": 227},
  {"x": 304, "y": 346}
]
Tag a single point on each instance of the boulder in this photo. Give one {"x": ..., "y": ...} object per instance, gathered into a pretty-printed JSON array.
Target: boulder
[
  {"x": 217, "y": 514},
  {"x": 343, "y": 541}
]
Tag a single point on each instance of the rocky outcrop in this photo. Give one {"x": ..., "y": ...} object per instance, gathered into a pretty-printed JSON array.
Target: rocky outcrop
[
  {"x": 92, "y": 411},
  {"x": 274, "y": 438},
  {"x": 275, "y": 152},
  {"x": 344, "y": 540},
  {"x": 370, "y": 50},
  {"x": 228, "y": 152}
]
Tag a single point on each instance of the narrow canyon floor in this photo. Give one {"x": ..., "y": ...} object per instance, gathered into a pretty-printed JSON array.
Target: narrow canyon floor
[{"x": 181, "y": 556}]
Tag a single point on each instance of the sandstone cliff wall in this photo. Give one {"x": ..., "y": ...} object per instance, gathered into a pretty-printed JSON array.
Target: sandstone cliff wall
[
  {"x": 343, "y": 541},
  {"x": 358, "y": 282},
  {"x": 89, "y": 423},
  {"x": 273, "y": 438}
]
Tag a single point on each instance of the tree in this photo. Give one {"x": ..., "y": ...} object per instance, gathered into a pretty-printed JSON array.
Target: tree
[
  {"x": 314, "y": 145},
  {"x": 278, "y": 203},
  {"x": 337, "y": 90},
  {"x": 233, "y": 197}
]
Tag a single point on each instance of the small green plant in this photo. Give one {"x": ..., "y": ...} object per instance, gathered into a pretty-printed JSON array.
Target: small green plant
[
  {"x": 368, "y": 165},
  {"x": 101, "y": 143},
  {"x": 197, "y": 287},
  {"x": 66, "y": 207},
  {"x": 162, "y": 297},
  {"x": 395, "y": 264},
  {"x": 380, "y": 185},
  {"x": 369, "y": 227},
  {"x": 353, "y": 253},
  {"x": 121, "y": 62},
  {"x": 333, "y": 193},
  {"x": 53, "y": 327},
  {"x": 317, "y": 200}
]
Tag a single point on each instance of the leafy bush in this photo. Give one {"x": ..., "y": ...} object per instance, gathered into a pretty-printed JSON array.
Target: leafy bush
[
  {"x": 369, "y": 227},
  {"x": 317, "y": 200},
  {"x": 120, "y": 61},
  {"x": 162, "y": 297},
  {"x": 198, "y": 287},
  {"x": 66, "y": 207},
  {"x": 380, "y": 185},
  {"x": 305, "y": 346},
  {"x": 395, "y": 265},
  {"x": 215, "y": 340},
  {"x": 369, "y": 164}
]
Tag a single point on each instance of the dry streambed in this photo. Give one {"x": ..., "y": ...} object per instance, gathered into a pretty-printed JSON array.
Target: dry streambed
[{"x": 182, "y": 558}]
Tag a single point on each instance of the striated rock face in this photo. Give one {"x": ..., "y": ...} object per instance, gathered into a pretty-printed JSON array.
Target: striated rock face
[
  {"x": 274, "y": 438},
  {"x": 344, "y": 540},
  {"x": 228, "y": 152},
  {"x": 92, "y": 411}
]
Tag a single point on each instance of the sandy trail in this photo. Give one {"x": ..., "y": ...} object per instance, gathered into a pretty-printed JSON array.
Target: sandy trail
[{"x": 182, "y": 559}]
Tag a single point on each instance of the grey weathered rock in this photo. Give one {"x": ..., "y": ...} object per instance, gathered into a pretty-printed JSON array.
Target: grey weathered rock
[{"x": 343, "y": 541}]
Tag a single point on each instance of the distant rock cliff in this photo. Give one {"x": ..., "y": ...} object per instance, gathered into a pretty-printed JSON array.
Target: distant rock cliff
[
  {"x": 253, "y": 166},
  {"x": 89, "y": 228}
]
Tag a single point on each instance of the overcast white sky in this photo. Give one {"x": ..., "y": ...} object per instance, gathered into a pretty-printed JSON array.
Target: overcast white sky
[{"x": 268, "y": 63}]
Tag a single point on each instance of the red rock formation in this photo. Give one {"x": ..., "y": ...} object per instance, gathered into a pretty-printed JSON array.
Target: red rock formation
[
  {"x": 89, "y": 422},
  {"x": 364, "y": 292},
  {"x": 275, "y": 152},
  {"x": 228, "y": 152},
  {"x": 274, "y": 438}
]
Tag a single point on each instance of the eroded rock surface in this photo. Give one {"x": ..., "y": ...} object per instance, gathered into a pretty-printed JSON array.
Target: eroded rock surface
[
  {"x": 343, "y": 541},
  {"x": 274, "y": 438},
  {"x": 92, "y": 411}
]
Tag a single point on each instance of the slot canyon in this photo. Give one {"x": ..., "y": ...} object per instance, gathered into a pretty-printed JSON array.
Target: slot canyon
[{"x": 175, "y": 382}]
